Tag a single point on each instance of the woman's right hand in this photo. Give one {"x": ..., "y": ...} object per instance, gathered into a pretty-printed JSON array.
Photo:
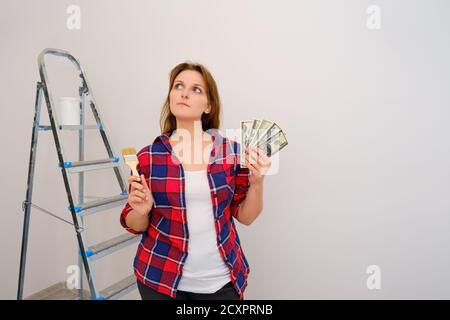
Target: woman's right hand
[{"x": 140, "y": 197}]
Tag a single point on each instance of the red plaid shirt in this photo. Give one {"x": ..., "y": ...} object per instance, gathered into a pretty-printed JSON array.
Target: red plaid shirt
[{"x": 162, "y": 250}]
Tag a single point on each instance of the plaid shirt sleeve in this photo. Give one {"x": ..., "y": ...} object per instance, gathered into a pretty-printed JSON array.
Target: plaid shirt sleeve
[
  {"x": 241, "y": 188},
  {"x": 126, "y": 210}
]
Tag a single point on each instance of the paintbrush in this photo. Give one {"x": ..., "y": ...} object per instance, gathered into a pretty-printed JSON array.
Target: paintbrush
[{"x": 131, "y": 160}]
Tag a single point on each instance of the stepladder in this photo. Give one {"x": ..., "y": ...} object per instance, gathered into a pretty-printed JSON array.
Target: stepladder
[{"x": 77, "y": 206}]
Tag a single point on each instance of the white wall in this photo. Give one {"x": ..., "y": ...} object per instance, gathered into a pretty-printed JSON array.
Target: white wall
[{"x": 364, "y": 179}]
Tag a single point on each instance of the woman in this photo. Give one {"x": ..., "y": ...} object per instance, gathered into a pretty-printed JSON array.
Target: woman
[{"x": 185, "y": 209}]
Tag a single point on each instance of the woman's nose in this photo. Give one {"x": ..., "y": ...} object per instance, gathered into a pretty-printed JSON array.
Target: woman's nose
[{"x": 184, "y": 94}]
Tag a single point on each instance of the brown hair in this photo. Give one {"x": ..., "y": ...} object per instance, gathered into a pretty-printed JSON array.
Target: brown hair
[{"x": 209, "y": 121}]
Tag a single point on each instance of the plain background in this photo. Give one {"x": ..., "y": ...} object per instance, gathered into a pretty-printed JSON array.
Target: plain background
[{"x": 365, "y": 177}]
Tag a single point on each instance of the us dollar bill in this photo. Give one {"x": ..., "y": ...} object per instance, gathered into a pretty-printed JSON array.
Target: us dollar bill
[
  {"x": 264, "y": 134},
  {"x": 274, "y": 143}
]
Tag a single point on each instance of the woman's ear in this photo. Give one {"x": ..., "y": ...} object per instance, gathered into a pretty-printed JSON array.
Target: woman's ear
[{"x": 208, "y": 110}]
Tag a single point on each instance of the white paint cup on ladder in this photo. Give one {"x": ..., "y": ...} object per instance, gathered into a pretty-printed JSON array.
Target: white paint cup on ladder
[{"x": 70, "y": 111}]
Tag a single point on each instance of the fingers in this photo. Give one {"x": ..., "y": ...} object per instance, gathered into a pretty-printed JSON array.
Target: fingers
[
  {"x": 139, "y": 183},
  {"x": 250, "y": 163},
  {"x": 140, "y": 194},
  {"x": 137, "y": 186},
  {"x": 135, "y": 199},
  {"x": 137, "y": 196},
  {"x": 144, "y": 183},
  {"x": 139, "y": 191},
  {"x": 257, "y": 160},
  {"x": 258, "y": 157},
  {"x": 265, "y": 159},
  {"x": 133, "y": 178},
  {"x": 262, "y": 156},
  {"x": 250, "y": 166}
]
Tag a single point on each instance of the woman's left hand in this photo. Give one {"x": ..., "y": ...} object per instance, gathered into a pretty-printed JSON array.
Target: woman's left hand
[{"x": 258, "y": 163}]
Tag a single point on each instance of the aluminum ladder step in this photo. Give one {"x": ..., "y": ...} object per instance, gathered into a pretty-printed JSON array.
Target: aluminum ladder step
[
  {"x": 107, "y": 247},
  {"x": 82, "y": 166},
  {"x": 70, "y": 127},
  {"x": 90, "y": 207},
  {"x": 119, "y": 289}
]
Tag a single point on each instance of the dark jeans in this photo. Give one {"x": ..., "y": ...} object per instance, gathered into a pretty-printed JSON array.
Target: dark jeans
[{"x": 227, "y": 292}]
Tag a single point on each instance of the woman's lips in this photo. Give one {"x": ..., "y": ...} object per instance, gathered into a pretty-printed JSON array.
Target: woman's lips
[{"x": 184, "y": 104}]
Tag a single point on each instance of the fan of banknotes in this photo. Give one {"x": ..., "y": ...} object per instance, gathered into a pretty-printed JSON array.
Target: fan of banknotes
[{"x": 264, "y": 134}]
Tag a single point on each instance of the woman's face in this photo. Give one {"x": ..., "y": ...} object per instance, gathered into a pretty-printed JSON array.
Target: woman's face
[{"x": 188, "y": 99}]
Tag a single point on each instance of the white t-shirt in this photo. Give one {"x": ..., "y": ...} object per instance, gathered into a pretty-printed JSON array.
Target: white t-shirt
[{"x": 204, "y": 270}]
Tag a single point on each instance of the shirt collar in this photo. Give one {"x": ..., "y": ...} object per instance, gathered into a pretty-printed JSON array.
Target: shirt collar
[{"x": 217, "y": 138}]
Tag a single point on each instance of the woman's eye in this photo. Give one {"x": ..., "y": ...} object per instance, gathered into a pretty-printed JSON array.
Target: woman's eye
[{"x": 179, "y": 85}]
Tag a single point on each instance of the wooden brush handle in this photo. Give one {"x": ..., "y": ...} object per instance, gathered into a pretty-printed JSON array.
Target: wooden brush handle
[{"x": 133, "y": 165}]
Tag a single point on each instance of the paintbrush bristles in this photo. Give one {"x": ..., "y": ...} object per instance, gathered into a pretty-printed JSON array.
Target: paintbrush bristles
[
  {"x": 131, "y": 160},
  {"x": 128, "y": 151}
]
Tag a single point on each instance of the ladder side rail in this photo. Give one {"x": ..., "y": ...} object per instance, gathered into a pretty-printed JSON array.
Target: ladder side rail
[
  {"x": 81, "y": 150},
  {"x": 29, "y": 193}
]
